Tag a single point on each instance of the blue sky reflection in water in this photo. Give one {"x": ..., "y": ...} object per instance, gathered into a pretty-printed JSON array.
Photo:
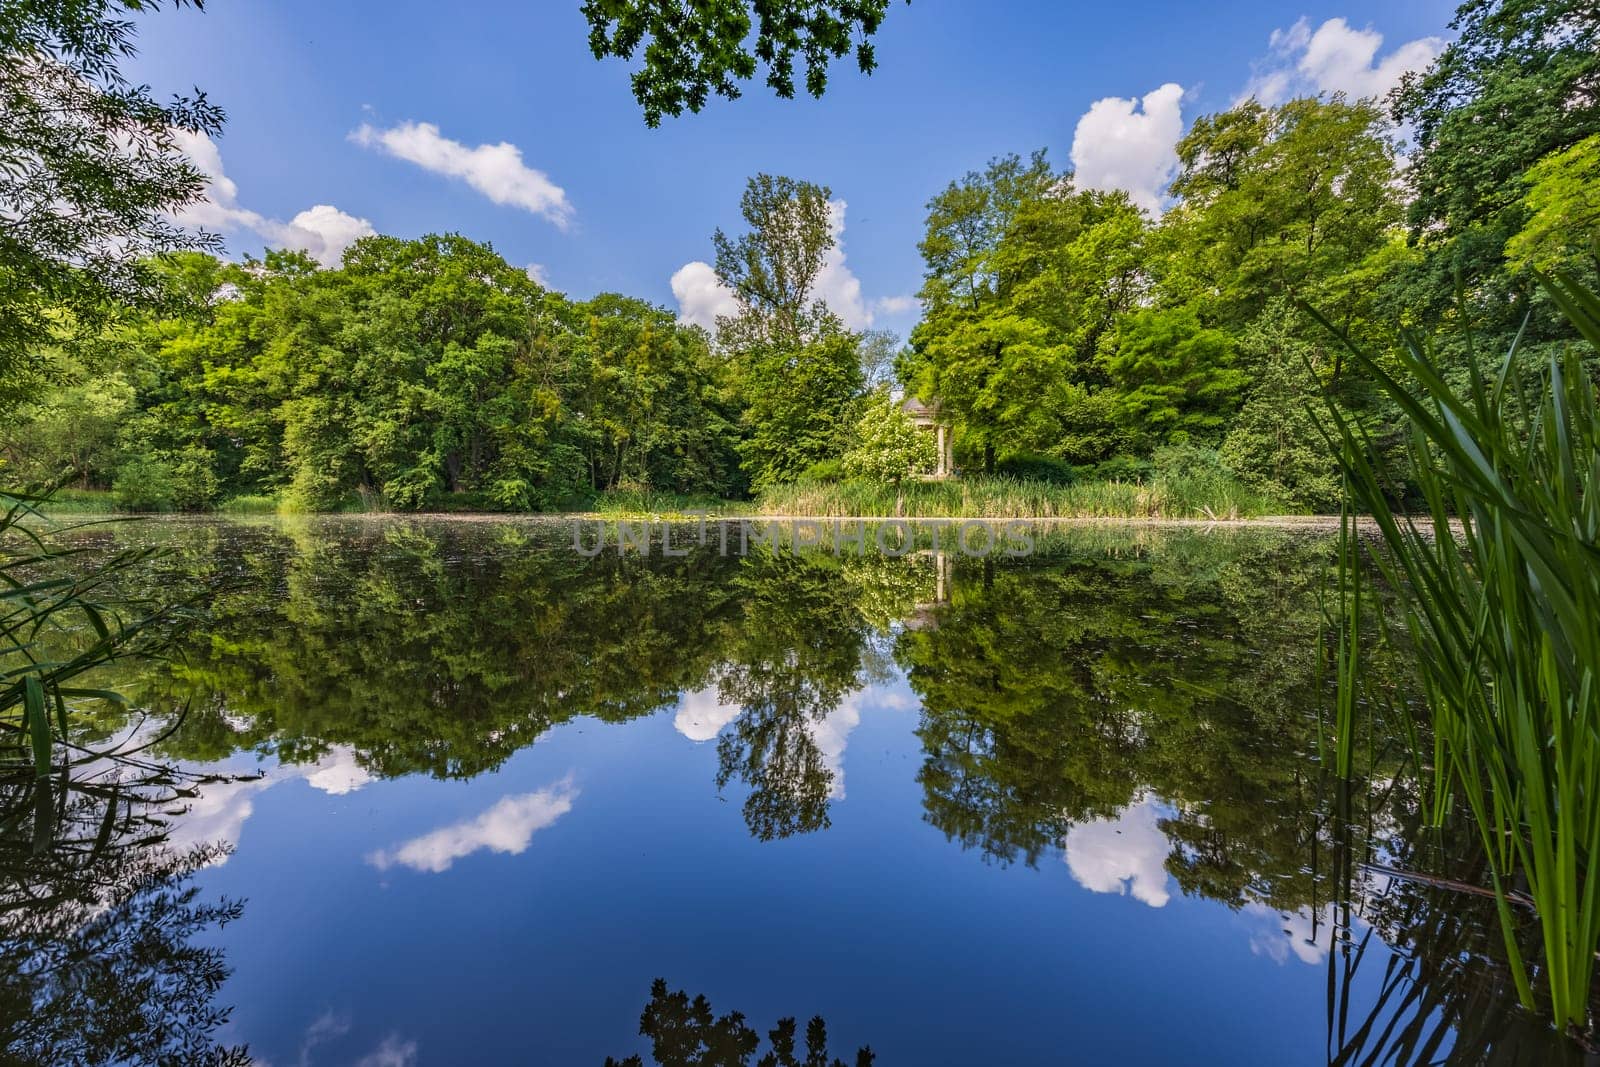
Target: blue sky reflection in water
[{"x": 1062, "y": 809}]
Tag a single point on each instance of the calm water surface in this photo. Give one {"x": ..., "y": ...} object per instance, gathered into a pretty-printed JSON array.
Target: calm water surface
[{"x": 482, "y": 791}]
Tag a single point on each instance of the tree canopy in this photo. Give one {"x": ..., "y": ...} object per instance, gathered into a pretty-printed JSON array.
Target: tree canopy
[{"x": 93, "y": 174}]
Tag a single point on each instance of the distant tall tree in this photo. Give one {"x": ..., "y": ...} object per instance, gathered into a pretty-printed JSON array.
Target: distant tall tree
[
  {"x": 772, "y": 269},
  {"x": 1025, "y": 275},
  {"x": 966, "y": 222},
  {"x": 90, "y": 175},
  {"x": 702, "y": 47},
  {"x": 970, "y": 350},
  {"x": 798, "y": 367}
]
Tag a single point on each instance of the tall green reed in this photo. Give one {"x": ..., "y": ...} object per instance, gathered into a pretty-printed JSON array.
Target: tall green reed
[{"x": 1497, "y": 575}]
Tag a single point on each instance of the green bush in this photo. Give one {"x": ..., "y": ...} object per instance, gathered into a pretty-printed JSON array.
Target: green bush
[
  {"x": 167, "y": 481},
  {"x": 144, "y": 483},
  {"x": 249, "y": 504},
  {"x": 1032, "y": 468},
  {"x": 1120, "y": 468},
  {"x": 824, "y": 472}
]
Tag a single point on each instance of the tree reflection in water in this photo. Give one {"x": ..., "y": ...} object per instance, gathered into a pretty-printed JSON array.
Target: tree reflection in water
[
  {"x": 1180, "y": 674},
  {"x": 687, "y": 1033},
  {"x": 98, "y": 916}
]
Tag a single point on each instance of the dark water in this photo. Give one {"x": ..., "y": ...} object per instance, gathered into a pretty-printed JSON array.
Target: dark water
[{"x": 1066, "y": 808}]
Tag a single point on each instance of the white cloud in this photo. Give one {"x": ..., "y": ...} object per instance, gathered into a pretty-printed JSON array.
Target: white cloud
[
  {"x": 391, "y": 1052},
  {"x": 507, "y": 827},
  {"x": 1122, "y": 855},
  {"x": 539, "y": 273},
  {"x": 220, "y": 209},
  {"x": 702, "y": 715},
  {"x": 495, "y": 170},
  {"x": 1130, "y": 144},
  {"x": 702, "y": 296},
  {"x": 337, "y": 773},
  {"x": 831, "y": 734},
  {"x": 1335, "y": 57},
  {"x": 325, "y": 1028},
  {"x": 218, "y": 814},
  {"x": 894, "y": 305},
  {"x": 322, "y": 230},
  {"x": 837, "y": 286},
  {"x": 1278, "y": 935}
]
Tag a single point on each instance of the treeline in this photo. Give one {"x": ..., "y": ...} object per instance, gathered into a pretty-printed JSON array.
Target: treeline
[
  {"x": 418, "y": 370},
  {"x": 1066, "y": 333}
]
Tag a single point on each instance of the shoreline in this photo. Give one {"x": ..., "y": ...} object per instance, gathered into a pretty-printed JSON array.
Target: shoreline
[{"x": 1316, "y": 522}]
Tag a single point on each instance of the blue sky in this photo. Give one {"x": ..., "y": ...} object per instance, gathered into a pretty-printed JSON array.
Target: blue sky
[{"x": 377, "y": 111}]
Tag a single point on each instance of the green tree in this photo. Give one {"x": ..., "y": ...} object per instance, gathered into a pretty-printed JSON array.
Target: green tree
[
  {"x": 997, "y": 374},
  {"x": 1520, "y": 82},
  {"x": 772, "y": 268},
  {"x": 798, "y": 405},
  {"x": 697, "y": 49},
  {"x": 887, "y": 446},
  {"x": 1274, "y": 202},
  {"x": 419, "y": 373},
  {"x": 1563, "y": 210},
  {"x": 798, "y": 369},
  {"x": 1025, "y": 278},
  {"x": 68, "y": 433},
  {"x": 1274, "y": 443},
  {"x": 1176, "y": 378}
]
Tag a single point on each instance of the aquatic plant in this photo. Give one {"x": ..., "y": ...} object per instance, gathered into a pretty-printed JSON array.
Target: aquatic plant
[
  {"x": 57, "y": 625},
  {"x": 1497, "y": 578}
]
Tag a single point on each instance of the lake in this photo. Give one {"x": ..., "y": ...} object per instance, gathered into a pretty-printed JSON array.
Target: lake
[{"x": 460, "y": 791}]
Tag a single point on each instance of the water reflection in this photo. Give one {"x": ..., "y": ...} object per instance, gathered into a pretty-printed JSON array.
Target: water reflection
[
  {"x": 1124, "y": 854},
  {"x": 507, "y": 827},
  {"x": 102, "y": 954},
  {"x": 1141, "y": 708},
  {"x": 687, "y": 1033}
]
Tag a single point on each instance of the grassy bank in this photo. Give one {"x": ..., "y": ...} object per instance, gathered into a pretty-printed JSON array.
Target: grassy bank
[
  {"x": 997, "y": 497},
  {"x": 633, "y": 503},
  {"x": 72, "y": 501},
  {"x": 1014, "y": 498}
]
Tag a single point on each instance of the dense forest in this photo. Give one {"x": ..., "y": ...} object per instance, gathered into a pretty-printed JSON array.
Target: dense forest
[{"x": 1065, "y": 333}]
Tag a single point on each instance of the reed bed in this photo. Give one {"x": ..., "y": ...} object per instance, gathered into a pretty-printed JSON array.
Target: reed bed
[
  {"x": 1497, "y": 574},
  {"x": 653, "y": 503},
  {"x": 1002, "y": 497}
]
